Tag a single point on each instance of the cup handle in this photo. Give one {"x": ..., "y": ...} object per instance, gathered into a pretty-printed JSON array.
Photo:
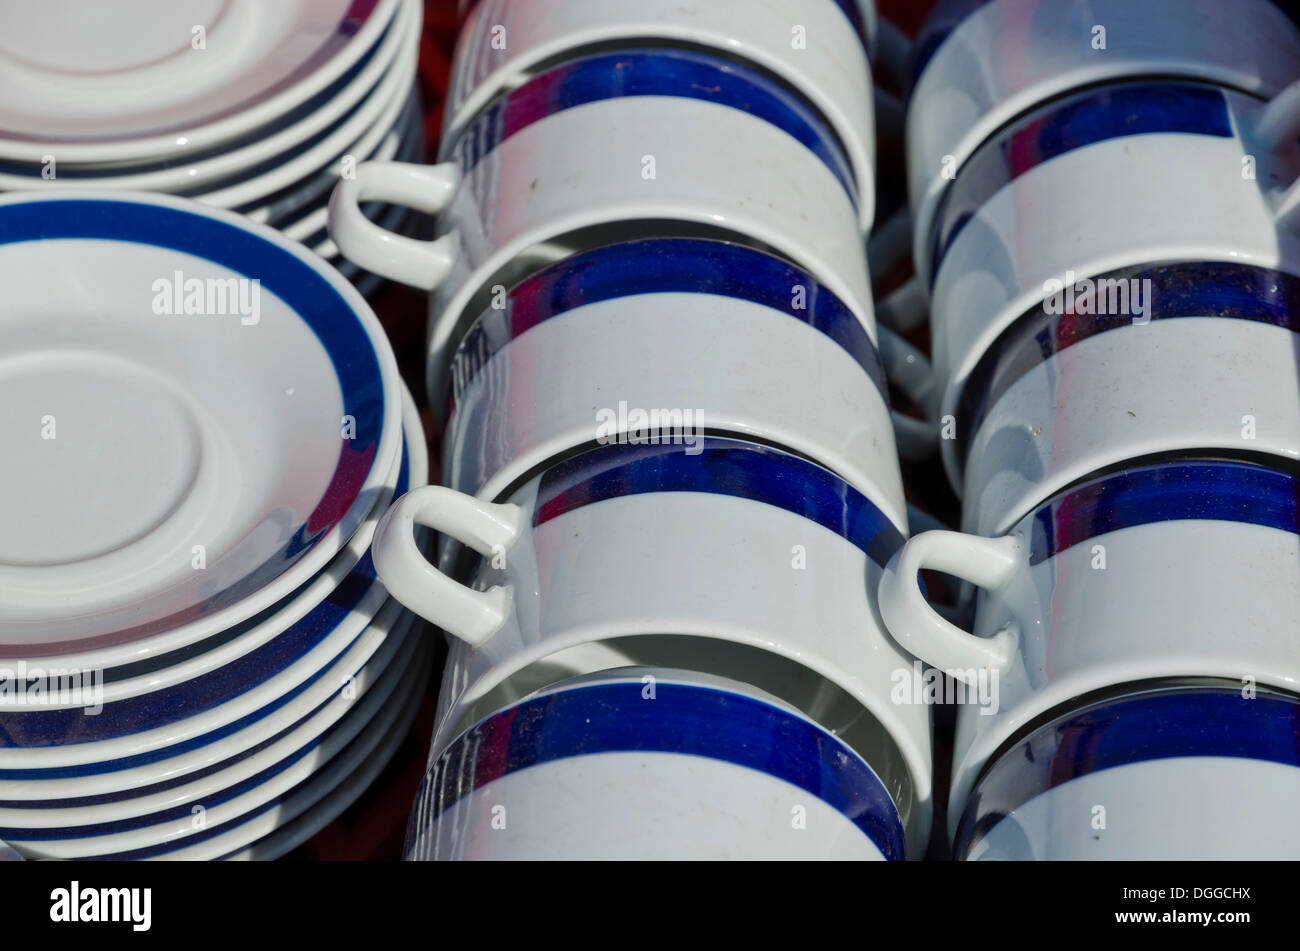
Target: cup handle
[
  {"x": 987, "y": 562},
  {"x": 489, "y": 528},
  {"x": 426, "y": 188},
  {"x": 910, "y": 370},
  {"x": 1278, "y": 125}
]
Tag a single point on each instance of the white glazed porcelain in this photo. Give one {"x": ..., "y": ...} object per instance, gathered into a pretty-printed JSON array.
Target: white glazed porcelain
[
  {"x": 646, "y": 763},
  {"x": 172, "y": 475},
  {"x": 1059, "y": 396},
  {"x": 983, "y": 64},
  {"x": 360, "y": 133},
  {"x": 663, "y": 151},
  {"x": 704, "y": 331},
  {"x": 96, "y": 83},
  {"x": 1184, "y": 773},
  {"x": 1114, "y": 177},
  {"x": 205, "y": 168},
  {"x": 1171, "y": 570},
  {"x": 152, "y": 817},
  {"x": 369, "y": 749},
  {"x": 280, "y": 677},
  {"x": 806, "y": 44},
  {"x": 164, "y": 671},
  {"x": 741, "y": 545}
]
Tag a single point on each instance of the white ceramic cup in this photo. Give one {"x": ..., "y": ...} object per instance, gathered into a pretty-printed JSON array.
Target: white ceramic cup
[
  {"x": 1113, "y": 177},
  {"x": 696, "y": 336},
  {"x": 805, "y": 44},
  {"x": 981, "y": 64},
  {"x": 613, "y": 146},
  {"x": 647, "y": 763},
  {"x": 736, "y": 544},
  {"x": 1212, "y": 366},
  {"x": 1175, "y": 772},
  {"x": 1171, "y": 570}
]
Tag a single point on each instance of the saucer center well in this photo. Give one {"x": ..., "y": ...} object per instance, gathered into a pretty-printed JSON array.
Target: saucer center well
[
  {"x": 93, "y": 36},
  {"x": 98, "y": 453}
]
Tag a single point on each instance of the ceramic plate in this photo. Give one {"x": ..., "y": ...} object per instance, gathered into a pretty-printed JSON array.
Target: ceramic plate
[
  {"x": 157, "y": 673},
  {"x": 94, "y": 82},
  {"x": 277, "y": 144},
  {"x": 166, "y": 816},
  {"x": 170, "y": 475}
]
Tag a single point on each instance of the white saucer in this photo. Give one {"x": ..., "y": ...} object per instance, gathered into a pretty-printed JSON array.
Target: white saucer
[
  {"x": 163, "y": 671},
  {"x": 94, "y": 82},
  {"x": 170, "y": 476},
  {"x": 381, "y": 689},
  {"x": 276, "y": 144},
  {"x": 359, "y": 134}
]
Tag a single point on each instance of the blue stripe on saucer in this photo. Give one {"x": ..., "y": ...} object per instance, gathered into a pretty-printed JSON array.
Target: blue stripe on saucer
[
  {"x": 1170, "y": 491},
  {"x": 664, "y": 266},
  {"x": 720, "y": 467},
  {"x": 1085, "y": 119},
  {"x": 62, "y": 728},
  {"x": 305, "y": 290},
  {"x": 1180, "y": 290},
  {"x": 655, "y": 72},
  {"x": 683, "y": 719},
  {"x": 1174, "y": 722}
]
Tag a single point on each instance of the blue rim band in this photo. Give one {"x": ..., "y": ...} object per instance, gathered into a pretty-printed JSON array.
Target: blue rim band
[
  {"x": 655, "y": 72},
  {"x": 683, "y": 719},
  {"x": 722, "y": 467},
  {"x": 1238, "y": 492},
  {"x": 1085, "y": 119},
  {"x": 665, "y": 266},
  {"x": 1176, "y": 722},
  {"x": 305, "y": 290},
  {"x": 1196, "y": 289}
]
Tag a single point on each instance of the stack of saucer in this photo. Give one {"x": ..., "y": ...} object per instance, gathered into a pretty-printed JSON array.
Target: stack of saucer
[
  {"x": 252, "y": 107},
  {"x": 203, "y": 423}
]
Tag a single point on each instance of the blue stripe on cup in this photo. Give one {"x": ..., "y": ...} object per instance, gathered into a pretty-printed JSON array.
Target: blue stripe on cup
[
  {"x": 665, "y": 266},
  {"x": 32, "y": 729},
  {"x": 1210, "y": 490},
  {"x": 1085, "y": 119},
  {"x": 303, "y": 288},
  {"x": 656, "y": 72},
  {"x": 719, "y": 467},
  {"x": 1194, "y": 289},
  {"x": 1162, "y": 724},
  {"x": 683, "y": 719}
]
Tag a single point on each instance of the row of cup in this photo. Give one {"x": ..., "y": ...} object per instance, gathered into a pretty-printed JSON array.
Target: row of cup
[
  {"x": 668, "y": 440},
  {"x": 1110, "y": 264}
]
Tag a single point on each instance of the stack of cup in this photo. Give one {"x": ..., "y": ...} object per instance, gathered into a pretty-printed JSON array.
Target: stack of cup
[
  {"x": 668, "y": 444},
  {"x": 1104, "y": 202}
]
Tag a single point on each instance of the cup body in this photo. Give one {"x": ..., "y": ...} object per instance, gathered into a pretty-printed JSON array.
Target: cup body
[
  {"x": 982, "y": 64},
  {"x": 1194, "y": 772},
  {"x": 1211, "y": 365},
  {"x": 669, "y": 335},
  {"x": 816, "y": 48},
  {"x": 1112, "y": 178},
  {"x": 1179, "y": 569},
  {"x": 733, "y": 546},
  {"x": 672, "y": 142},
  {"x": 646, "y": 763}
]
